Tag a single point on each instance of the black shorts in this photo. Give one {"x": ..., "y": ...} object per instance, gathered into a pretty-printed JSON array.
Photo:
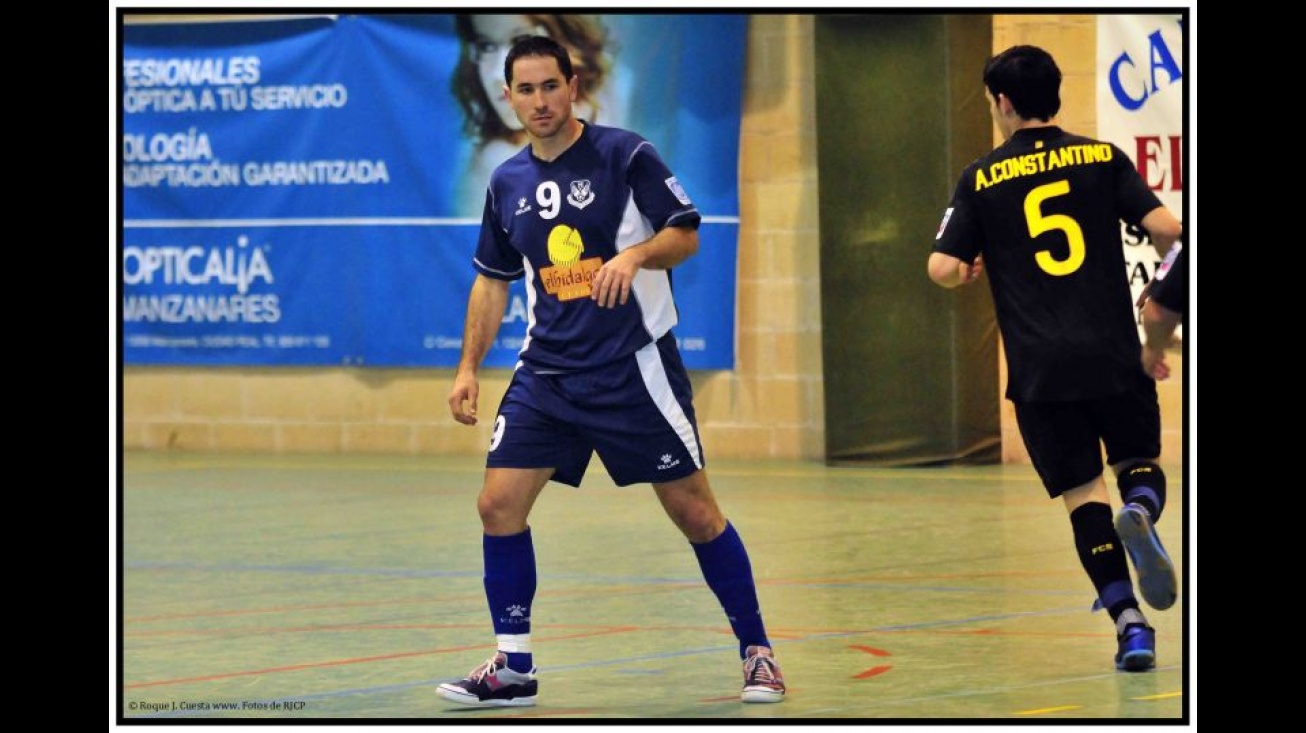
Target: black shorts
[
  {"x": 1065, "y": 439},
  {"x": 1170, "y": 288}
]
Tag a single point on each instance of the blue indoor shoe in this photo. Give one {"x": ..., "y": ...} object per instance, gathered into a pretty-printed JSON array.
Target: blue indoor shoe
[
  {"x": 1137, "y": 648},
  {"x": 1156, "y": 578}
]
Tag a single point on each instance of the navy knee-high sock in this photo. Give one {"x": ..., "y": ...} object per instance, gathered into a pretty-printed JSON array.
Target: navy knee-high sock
[
  {"x": 510, "y": 590},
  {"x": 729, "y": 574}
]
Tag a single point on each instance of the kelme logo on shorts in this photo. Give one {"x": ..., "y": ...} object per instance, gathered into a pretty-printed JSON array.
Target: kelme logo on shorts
[{"x": 668, "y": 461}]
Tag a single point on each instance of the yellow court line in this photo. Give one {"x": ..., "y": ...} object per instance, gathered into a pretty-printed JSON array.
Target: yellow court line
[
  {"x": 1040, "y": 711},
  {"x": 1159, "y": 696}
]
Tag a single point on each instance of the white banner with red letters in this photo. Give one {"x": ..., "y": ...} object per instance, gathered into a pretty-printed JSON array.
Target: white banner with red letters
[{"x": 1140, "y": 107}]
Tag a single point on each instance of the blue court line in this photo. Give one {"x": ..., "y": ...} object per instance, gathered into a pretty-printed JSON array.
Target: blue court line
[
  {"x": 734, "y": 648},
  {"x": 599, "y": 580}
]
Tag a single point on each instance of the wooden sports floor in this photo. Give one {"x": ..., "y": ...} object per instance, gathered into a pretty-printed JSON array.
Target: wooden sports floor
[{"x": 346, "y": 588}]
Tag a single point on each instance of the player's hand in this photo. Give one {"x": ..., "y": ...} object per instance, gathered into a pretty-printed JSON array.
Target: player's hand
[
  {"x": 1143, "y": 296},
  {"x": 970, "y": 273},
  {"x": 1154, "y": 363},
  {"x": 611, "y": 285},
  {"x": 465, "y": 390}
]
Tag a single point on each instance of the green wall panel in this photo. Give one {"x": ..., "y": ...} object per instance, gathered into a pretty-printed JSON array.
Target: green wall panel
[{"x": 911, "y": 369}]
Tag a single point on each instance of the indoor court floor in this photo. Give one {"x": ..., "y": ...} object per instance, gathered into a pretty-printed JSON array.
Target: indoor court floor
[{"x": 347, "y": 588}]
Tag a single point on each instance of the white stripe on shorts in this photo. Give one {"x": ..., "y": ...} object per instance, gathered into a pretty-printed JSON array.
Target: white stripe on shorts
[{"x": 659, "y": 388}]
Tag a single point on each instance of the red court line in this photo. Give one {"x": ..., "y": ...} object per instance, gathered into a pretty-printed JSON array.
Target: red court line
[
  {"x": 870, "y": 650},
  {"x": 801, "y": 633},
  {"x": 723, "y": 630},
  {"x": 786, "y": 633},
  {"x": 353, "y": 660},
  {"x": 286, "y": 609},
  {"x": 916, "y": 578},
  {"x": 873, "y": 671},
  {"x": 999, "y": 632},
  {"x": 248, "y": 631},
  {"x": 245, "y": 630}
]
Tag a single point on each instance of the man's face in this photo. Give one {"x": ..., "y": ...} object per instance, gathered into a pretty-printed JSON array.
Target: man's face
[{"x": 539, "y": 95}]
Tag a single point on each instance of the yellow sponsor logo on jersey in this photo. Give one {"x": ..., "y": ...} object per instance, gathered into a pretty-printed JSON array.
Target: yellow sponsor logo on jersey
[
  {"x": 570, "y": 277},
  {"x": 565, "y": 246},
  {"x": 1041, "y": 161}
]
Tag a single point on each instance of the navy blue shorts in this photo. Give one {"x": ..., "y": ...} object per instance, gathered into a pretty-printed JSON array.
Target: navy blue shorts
[
  {"x": 636, "y": 413},
  {"x": 1065, "y": 439}
]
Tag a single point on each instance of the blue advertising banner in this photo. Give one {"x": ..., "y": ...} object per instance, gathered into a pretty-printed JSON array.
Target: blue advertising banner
[{"x": 308, "y": 191}]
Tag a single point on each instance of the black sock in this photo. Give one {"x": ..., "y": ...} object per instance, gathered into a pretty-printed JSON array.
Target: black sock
[
  {"x": 1144, "y": 484},
  {"x": 1103, "y": 557}
]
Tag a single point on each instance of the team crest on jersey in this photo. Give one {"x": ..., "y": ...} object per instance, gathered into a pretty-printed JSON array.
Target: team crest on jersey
[
  {"x": 678, "y": 190},
  {"x": 582, "y": 194}
]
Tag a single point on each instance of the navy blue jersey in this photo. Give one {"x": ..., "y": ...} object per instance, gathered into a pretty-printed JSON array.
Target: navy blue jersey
[
  {"x": 556, "y": 222},
  {"x": 1044, "y": 210}
]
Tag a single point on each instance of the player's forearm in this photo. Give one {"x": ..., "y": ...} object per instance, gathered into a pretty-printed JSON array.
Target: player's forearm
[
  {"x": 1162, "y": 228},
  {"x": 1159, "y": 324},
  {"x": 485, "y": 308},
  {"x": 666, "y": 249},
  {"x": 945, "y": 270}
]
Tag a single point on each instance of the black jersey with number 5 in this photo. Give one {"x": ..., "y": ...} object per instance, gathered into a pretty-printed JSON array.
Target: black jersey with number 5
[{"x": 1044, "y": 211}]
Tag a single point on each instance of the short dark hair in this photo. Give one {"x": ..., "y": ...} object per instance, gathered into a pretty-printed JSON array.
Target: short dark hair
[
  {"x": 1029, "y": 77},
  {"x": 538, "y": 46}
]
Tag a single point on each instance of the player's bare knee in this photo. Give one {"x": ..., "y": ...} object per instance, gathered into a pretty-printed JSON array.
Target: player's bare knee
[
  {"x": 701, "y": 522},
  {"x": 1094, "y": 491},
  {"x": 499, "y": 515}
]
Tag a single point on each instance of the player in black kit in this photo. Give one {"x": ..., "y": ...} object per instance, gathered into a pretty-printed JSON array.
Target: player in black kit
[{"x": 1041, "y": 215}]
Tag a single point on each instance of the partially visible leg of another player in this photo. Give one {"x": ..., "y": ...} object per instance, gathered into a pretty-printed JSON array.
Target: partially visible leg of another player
[{"x": 729, "y": 574}]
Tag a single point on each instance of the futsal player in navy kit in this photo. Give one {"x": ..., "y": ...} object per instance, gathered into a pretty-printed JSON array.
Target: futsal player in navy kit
[
  {"x": 593, "y": 219},
  {"x": 1041, "y": 216}
]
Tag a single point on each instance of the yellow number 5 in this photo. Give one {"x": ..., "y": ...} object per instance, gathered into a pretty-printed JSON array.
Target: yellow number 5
[{"x": 1038, "y": 224}]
